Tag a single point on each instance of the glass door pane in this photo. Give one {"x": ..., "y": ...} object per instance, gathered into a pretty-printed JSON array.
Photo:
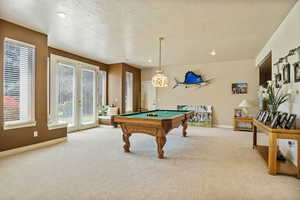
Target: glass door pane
[
  {"x": 66, "y": 94},
  {"x": 88, "y": 94},
  {"x": 129, "y": 92}
]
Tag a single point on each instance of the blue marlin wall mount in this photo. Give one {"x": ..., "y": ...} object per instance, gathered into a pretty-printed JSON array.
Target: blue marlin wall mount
[{"x": 191, "y": 79}]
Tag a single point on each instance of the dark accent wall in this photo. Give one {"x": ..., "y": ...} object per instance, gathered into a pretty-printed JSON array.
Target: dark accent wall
[
  {"x": 117, "y": 84},
  {"x": 265, "y": 70},
  {"x": 14, "y": 138}
]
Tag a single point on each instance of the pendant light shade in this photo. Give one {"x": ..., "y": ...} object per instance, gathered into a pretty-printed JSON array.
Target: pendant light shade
[{"x": 160, "y": 79}]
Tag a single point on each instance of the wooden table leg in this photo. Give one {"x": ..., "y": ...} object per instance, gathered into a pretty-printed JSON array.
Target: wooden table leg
[
  {"x": 161, "y": 141},
  {"x": 272, "y": 162},
  {"x": 298, "y": 159},
  {"x": 126, "y": 136},
  {"x": 184, "y": 125},
  {"x": 254, "y": 137},
  {"x": 127, "y": 142}
]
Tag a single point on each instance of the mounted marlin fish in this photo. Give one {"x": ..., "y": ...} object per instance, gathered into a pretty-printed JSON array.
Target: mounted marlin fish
[{"x": 191, "y": 79}]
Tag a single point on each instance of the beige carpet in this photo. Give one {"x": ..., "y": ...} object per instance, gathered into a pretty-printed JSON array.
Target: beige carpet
[{"x": 208, "y": 164}]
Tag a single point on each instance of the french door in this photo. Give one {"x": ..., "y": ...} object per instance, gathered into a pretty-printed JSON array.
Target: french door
[
  {"x": 87, "y": 98},
  {"x": 75, "y": 99}
]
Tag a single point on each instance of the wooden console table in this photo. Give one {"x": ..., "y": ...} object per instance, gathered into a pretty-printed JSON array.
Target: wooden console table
[
  {"x": 269, "y": 153},
  {"x": 236, "y": 120}
]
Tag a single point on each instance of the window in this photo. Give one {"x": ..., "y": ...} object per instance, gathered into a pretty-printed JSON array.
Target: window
[
  {"x": 102, "y": 88},
  {"x": 18, "y": 82},
  {"x": 129, "y": 92},
  {"x": 66, "y": 92}
]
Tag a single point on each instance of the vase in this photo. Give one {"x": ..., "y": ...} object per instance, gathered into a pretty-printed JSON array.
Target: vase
[{"x": 272, "y": 108}]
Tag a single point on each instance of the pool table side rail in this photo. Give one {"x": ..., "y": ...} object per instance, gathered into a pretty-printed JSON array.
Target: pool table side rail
[{"x": 151, "y": 121}]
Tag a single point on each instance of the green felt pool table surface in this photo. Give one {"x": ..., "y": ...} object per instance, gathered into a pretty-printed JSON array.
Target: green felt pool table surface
[{"x": 162, "y": 114}]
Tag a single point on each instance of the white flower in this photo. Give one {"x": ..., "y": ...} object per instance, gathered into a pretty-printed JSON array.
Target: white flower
[{"x": 265, "y": 96}]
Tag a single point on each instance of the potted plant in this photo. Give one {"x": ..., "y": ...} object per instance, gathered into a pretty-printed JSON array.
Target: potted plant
[{"x": 275, "y": 96}]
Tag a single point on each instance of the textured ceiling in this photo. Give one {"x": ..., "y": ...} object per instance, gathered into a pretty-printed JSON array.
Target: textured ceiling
[{"x": 114, "y": 31}]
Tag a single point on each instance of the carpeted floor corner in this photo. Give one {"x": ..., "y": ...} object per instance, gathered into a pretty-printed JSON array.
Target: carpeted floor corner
[{"x": 209, "y": 164}]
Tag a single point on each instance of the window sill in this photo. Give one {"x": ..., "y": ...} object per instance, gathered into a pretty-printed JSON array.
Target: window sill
[
  {"x": 57, "y": 125},
  {"x": 19, "y": 125}
]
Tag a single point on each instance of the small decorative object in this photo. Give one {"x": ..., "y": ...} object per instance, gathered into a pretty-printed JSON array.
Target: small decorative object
[
  {"x": 112, "y": 111},
  {"x": 238, "y": 113},
  {"x": 245, "y": 105},
  {"x": 277, "y": 80},
  {"x": 190, "y": 79},
  {"x": 297, "y": 71},
  {"x": 290, "y": 121},
  {"x": 202, "y": 115},
  {"x": 281, "y": 121},
  {"x": 160, "y": 79},
  {"x": 275, "y": 120},
  {"x": 286, "y": 74},
  {"x": 152, "y": 115},
  {"x": 239, "y": 88},
  {"x": 275, "y": 96},
  {"x": 103, "y": 110}
]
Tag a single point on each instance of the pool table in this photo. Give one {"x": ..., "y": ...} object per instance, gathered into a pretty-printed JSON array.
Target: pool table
[{"x": 157, "y": 126}]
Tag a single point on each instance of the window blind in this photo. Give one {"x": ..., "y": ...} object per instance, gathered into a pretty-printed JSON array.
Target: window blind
[{"x": 18, "y": 79}]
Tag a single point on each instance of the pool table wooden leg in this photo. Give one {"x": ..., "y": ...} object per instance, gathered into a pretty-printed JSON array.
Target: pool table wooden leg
[
  {"x": 184, "y": 125},
  {"x": 126, "y": 141},
  {"x": 161, "y": 141}
]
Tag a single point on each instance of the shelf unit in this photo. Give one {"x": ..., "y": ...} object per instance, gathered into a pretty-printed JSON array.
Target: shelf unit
[
  {"x": 269, "y": 153},
  {"x": 237, "y": 120}
]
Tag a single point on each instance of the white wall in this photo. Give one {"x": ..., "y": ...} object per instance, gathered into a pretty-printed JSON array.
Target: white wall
[{"x": 285, "y": 38}]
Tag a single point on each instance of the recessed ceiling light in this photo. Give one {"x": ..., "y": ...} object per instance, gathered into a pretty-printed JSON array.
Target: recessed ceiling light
[
  {"x": 213, "y": 53},
  {"x": 149, "y": 61},
  {"x": 61, "y": 14}
]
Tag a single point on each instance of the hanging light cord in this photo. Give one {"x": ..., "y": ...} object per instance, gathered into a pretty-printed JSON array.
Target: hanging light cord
[{"x": 160, "y": 39}]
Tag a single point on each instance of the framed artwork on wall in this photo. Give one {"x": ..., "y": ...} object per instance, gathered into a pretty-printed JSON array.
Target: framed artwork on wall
[
  {"x": 277, "y": 79},
  {"x": 239, "y": 88},
  {"x": 297, "y": 71},
  {"x": 286, "y": 74}
]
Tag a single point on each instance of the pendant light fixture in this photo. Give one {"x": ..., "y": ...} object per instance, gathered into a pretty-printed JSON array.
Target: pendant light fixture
[{"x": 160, "y": 79}]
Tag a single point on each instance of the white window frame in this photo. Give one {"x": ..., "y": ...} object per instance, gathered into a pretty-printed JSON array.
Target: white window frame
[
  {"x": 31, "y": 122},
  {"x": 104, "y": 97},
  {"x": 129, "y": 99}
]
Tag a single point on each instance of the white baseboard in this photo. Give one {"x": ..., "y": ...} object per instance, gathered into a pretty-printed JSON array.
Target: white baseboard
[
  {"x": 223, "y": 126},
  {"x": 32, "y": 147}
]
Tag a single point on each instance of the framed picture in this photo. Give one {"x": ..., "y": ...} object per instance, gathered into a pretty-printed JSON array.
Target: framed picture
[
  {"x": 203, "y": 115},
  {"x": 277, "y": 80},
  {"x": 238, "y": 112},
  {"x": 297, "y": 71},
  {"x": 262, "y": 116},
  {"x": 258, "y": 115},
  {"x": 266, "y": 117},
  {"x": 290, "y": 121},
  {"x": 282, "y": 119},
  {"x": 286, "y": 74},
  {"x": 275, "y": 119},
  {"x": 239, "y": 88}
]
